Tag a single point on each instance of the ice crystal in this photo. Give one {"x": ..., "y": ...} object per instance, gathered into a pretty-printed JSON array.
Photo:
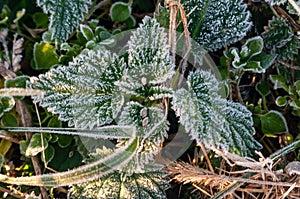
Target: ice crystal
[
  {"x": 275, "y": 2},
  {"x": 65, "y": 16},
  {"x": 151, "y": 125},
  {"x": 84, "y": 93},
  {"x": 150, "y": 185},
  {"x": 213, "y": 120},
  {"x": 280, "y": 39},
  {"x": 215, "y": 23}
]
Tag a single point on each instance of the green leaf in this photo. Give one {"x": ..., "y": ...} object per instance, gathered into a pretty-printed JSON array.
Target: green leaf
[
  {"x": 252, "y": 47},
  {"x": 64, "y": 16},
  {"x": 9, "y": 120},
  {"x": 84, "y": 93},
  {"x": 6, "y": 104},
  {"x": 253, "y": 66},
  {"x": 215, "y": 23},
  {"x": 263, "y": 88},
  {"x": 279, "y": 81},
  {"x": 130, "y": 22},
  {"x": 23, "y": 146},
  {"x": 250, "y": 58},
  {"x": 281, "y": 101},
  {"x": 48, "y": 154},
  {"x": 17, "y": 82},
  {"x": 4, "y": 147},
  {"x": 212, "y": 120},
  {"x": 36, "y": 145},
  {"x": 295, "y": 103},
  {"x": 44, "y": 55},
  {"x": 64, "y": 140},
  {"x": 87, "y": 32},
  {"x": 120, "y": 11},
  {"x": 54, "y": 122},
  {"x": 1, "y": 160},
  {"x": 40, "y": 19},
  {"x": 297, "y": 87},
  {"x": 266, "y": 60},
  {"x": 273, "y": 122}
]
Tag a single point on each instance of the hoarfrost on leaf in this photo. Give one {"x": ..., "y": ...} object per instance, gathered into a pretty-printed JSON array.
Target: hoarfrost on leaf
[
  {"x": 215, "y": 23},
  {"x": 84, "y": 93},
  {"x": 150, "y": 185},
  {"x": 65, "y": 16},
  {"x": 275, "y": 2},
  {"x": 212, "y": 120},
  {"x": 280, "y": 39},
  {"x": 149, "y": 62},
  {"x": 151, "y": 125}
]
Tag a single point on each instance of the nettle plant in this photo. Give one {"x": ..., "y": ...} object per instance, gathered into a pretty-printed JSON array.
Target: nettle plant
[{"x": 125, "y": 97}]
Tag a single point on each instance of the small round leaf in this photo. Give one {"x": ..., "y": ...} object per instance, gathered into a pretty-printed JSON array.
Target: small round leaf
[{"x": 120, "y": 11}]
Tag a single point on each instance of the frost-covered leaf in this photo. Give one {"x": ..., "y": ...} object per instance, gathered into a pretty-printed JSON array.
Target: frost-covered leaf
[
  {"x": 251, "y": 57},
  {"x": 149, "y": 61},
  {"x": 292, "y": 10},
  {"x": 279, "y": 38},
  {"x": 36, "y": 145},
  {"x": 148, "y": 185},
  {"x": 65, "y": 15},
  {"x": 6, "y": 104},
  {"x": 120, "y": 11},
  {"x": 87, "y": 32},
  {"x": 275, "y": 2},
  {"x": 151, "y": 125},
  {"x": 212, "y": 120},
  {"x": 215, "y": 23},
  {"x": 279, "y": 81},
  {"x": 84, "y": 93}
]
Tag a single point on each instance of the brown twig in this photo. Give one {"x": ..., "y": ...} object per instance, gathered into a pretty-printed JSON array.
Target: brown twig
[
  {"x": 11, "y": 193},
  {"x": 206, "y": 157},
  {"x": 289, "y": 65},
  {"x": 284, "y": 15},
  {"x": 26, "y": 122},
  {"x": 9, "y": 138}
]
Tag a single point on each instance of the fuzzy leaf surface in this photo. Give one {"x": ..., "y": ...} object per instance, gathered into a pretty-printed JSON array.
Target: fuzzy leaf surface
[
  {"x": 151, "y": 125},
  {"x": 83, "y": 93},
  {"x": 280, "y": 39},
  {"x": 65, "y": 15},
  {"x": 151, "y": 185},
  {"x": 212, "y": 120},
  {"x": 215, "y": 23},
  {"x": 149, "y": 61}
]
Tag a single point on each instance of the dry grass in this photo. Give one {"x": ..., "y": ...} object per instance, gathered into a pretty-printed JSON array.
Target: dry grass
[{"x": 246, "y": 179}]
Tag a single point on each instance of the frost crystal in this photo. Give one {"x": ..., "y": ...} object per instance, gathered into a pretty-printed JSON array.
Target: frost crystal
[
  {"x": 212, "y": 120},
  {"x": 280, "y": 39},
  {"x": 215, "y": 23},
  {"x": 275, "y": 2},
  {"x": 149, "y": 62},
  {"x": 84, "y": 93},
  {"x": 65, "y": 15},
  {"x": 152, "y": 132}
]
